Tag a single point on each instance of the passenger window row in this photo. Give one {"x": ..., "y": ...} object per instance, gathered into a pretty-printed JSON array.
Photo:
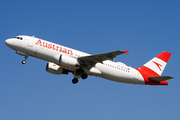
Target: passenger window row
[{"x": 122, "y": 68}]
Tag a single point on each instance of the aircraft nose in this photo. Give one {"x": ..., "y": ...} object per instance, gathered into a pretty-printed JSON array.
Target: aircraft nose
[{"x": 8, "y": 42}]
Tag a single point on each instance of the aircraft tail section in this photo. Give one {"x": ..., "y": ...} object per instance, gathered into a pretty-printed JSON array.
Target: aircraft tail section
[
  {"x": 152, "y": 70},
  {"x": 156, "y": 65}
]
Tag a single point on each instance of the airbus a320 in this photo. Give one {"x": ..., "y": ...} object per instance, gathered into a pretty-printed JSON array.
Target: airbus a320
[{"x": 64, "y": 60}]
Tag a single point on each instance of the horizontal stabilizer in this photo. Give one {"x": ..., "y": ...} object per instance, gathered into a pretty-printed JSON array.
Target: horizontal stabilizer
[{"x": 160, "y": 78}]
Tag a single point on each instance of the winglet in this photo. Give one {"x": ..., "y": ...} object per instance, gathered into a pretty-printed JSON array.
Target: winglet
[{"x": 126, "y": 52}]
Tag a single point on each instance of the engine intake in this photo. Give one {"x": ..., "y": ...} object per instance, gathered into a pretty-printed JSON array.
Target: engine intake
[{"x": 55, "y": 69}]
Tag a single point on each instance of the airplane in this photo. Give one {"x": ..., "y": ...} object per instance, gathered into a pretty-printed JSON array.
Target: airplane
[{"x": 64, "y": 60}]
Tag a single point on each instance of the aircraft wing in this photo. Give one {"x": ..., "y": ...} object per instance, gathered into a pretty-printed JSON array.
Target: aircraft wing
[{"x": 93, "y": 59}]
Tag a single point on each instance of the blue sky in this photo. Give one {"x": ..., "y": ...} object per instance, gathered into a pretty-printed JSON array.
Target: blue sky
[{"x": 145, "y": 27}]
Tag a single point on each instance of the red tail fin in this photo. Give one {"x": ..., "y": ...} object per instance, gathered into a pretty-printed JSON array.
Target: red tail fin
[
  {"x": 156, "y": 65},
  {"x": 154, "y": 68}
]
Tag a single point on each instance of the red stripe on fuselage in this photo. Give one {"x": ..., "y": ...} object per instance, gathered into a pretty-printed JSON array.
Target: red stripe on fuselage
[{"x": 146, "y": 72}]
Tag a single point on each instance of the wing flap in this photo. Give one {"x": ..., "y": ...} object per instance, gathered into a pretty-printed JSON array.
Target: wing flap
[{"x": 160, "y": 78}]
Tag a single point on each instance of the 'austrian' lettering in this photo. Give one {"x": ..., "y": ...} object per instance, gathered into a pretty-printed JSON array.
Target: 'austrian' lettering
[{"x": 54, "y": 47}]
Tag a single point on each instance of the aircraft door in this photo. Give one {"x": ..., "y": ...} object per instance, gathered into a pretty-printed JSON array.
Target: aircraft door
[
  {"x": 30, "y": 42},
  {"x": 136, "y": 75},
  {"x": 32, "y": 49}
]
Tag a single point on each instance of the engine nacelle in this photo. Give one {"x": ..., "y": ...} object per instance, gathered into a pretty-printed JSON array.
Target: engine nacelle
[
  {"x": 55, "y": 69},
  {"x": 66, "y": 60}
]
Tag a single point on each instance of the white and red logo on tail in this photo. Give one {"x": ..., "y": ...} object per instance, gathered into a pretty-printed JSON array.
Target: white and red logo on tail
[{"x": 152, "y": 70}]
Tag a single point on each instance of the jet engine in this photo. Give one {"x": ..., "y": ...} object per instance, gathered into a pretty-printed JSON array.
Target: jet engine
[
  {"x": 55, "y": 69},
  {"x": 66, "y": 60}
]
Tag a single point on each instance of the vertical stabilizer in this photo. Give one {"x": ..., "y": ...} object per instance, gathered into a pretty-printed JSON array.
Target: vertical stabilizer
[{"x": 156, "y": 65}]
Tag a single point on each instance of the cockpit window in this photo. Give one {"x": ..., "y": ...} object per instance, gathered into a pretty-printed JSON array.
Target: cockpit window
[{"x": 19, "y": 38}]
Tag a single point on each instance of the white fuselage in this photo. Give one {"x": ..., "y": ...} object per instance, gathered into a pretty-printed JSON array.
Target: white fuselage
[{"x": 45, "y": 50}]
